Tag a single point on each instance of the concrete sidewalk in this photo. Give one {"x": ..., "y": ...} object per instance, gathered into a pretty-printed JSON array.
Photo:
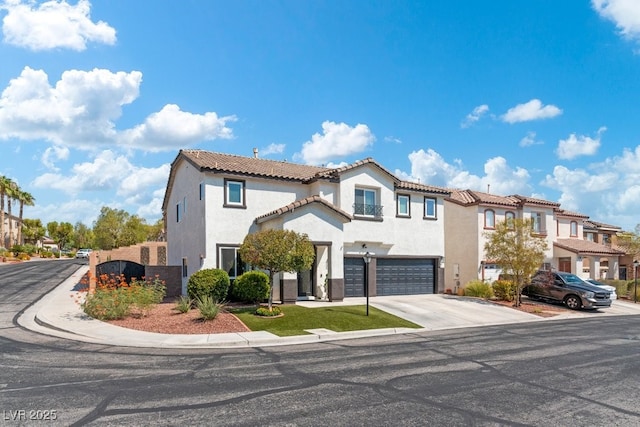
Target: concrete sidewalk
[{"x": 59, "y": 314}]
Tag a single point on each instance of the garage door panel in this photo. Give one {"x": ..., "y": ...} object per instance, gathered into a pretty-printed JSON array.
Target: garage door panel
[
  {"x": 353, "y": 277},
  {"x": 405, "y": 276}
]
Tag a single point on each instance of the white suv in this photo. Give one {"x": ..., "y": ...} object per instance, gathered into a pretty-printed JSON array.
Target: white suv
[{"x": 83, "y": 253}]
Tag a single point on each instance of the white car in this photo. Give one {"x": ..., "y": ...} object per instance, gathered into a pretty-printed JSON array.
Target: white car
[
  {"x": 83, "y": 253},
  {"x": 604, "y": 286}
]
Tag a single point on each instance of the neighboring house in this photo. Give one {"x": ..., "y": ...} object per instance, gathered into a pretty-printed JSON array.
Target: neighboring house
[
  {"x": 470, "y": 215},
  {"x": 15, "y": 222},
  {"x": 574, "y": 244},
  {"x": 584, "y": 247},
  {"x": 214, "y": 200}
]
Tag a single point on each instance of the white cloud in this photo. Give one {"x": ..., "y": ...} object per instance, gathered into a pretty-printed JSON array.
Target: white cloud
[
  {"x": 81, "y": 109},
  {"x": 273, "y": 149},
  {"x": 625, "y": 14},
  {"x": 428, "y": 167},
  {"x": 532, "y": 110},
  {"x": 337, "y": 140},
  {"x": 105, "y": 172},
  {"x": 581, "y": 145},
  {"x": 606, "y": 191},
  {"x": 529, "y": 140},
  {"x": 475, "y": 115},
  {"x": 53, "y": 24},
  {"x": 76, "y": 210},
  {"x": 135, "y": 186},
  {"x": 171, "y": 128},
  {"x": 78, "y": 111},
  {"x": 52, "y": 154}
]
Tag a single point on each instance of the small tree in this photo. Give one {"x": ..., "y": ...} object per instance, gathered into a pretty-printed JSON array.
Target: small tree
[
  {"x": 630, "y": 242},
  {"x": 277, "y": 251},
  {"x": 515, "y": 247}
]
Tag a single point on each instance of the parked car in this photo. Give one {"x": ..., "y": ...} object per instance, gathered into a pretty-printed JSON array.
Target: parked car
[
  {"x": 568, "y": 289},
  {"x": 83, "y": 253},
  {"x": 608, "y": 288}
]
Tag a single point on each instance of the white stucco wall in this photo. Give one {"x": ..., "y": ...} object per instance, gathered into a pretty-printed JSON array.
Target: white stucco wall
[{"x": 413, "y": 236}]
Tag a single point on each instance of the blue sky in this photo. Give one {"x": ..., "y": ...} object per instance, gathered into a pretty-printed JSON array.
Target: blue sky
[{"x": 538, "y": 98}]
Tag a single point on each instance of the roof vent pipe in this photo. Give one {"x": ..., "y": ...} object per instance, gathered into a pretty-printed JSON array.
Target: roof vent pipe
[{"x": 255, "y": 153}]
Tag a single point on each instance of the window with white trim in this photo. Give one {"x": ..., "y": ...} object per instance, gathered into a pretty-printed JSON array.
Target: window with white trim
[
  {"x": 403, "y": 205},
  {"x": 538, "y": 222},
  {"x": 430, "y": 208},
  {"x": 510, "y": 219},
  {"x": 489, "y": 218},
  {"x": 365, "y": 203},
  {"x": 234, "y": 193},
  {"x": 574, "y": 229},
  {"x": 229, "y": 261}
]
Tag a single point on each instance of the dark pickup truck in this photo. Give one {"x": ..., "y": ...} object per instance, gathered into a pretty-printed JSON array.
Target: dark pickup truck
[{"x": 566, "y": 288}]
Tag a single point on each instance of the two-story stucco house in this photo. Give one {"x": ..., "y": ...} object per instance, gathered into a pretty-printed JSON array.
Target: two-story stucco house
[
  {"x": 214, "y": 200},
  {"x": 571, "y": 239},
  {"x": 469, "y": 215}
]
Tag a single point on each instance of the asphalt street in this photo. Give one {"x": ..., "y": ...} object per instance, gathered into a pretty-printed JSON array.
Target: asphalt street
[{"x": 580, "y": 371}]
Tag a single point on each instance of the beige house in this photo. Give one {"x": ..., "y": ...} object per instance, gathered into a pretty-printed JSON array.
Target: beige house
[
  {"x": 15, "y": 221},
  {"x": 469, "y": 215},
  {"x": 575, "y": 244}
]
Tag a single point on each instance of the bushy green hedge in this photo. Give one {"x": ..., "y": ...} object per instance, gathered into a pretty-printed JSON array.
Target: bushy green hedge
[
  {"x": 504, "y": 290},
  {"x": 478, "y": 288},
  {"x": 209, "y": 281},
  {"x": 251, "y": 287}
]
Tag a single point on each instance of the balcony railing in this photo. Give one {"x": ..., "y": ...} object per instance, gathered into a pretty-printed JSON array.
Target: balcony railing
[{"x": 363, "y": 209}]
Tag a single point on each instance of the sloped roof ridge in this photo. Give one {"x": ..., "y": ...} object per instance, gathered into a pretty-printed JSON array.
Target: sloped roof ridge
[
  {"x": 302, "y": 202},
  {"x": 534, "y": 200}
]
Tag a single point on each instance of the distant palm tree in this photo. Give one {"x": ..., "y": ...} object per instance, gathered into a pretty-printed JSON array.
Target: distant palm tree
[
  {"x": 25, "y": 199},
  {"x": 5, "y": 183},
  {"x": 11, "y": 191}
]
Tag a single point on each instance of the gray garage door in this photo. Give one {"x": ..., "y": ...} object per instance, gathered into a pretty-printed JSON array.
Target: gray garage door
[
  {"x": 408, "y": 276},
  {"x": 354, "y": 277}
]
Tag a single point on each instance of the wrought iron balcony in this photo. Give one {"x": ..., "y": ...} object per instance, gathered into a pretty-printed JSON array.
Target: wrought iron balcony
[{"x": 363, "y": 209}]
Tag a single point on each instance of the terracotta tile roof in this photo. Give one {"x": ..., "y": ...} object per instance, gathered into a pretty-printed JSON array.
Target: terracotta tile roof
[
  {"x": 233, "y": 164},
  {"x": 414, "y": 186},
  {"x": 470, "y": 197},
  {"x": 601, "y": 226},
  {"x": 563, "y": 212},
  {"x": 302, "y": 202},
  {"x": 586, "y": 247},
  {"x": 533, "y": 201}
]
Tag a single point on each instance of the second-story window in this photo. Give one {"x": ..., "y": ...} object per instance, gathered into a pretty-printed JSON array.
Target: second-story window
[
  {"x": 510, "y": 219},
  {"x": 234, "y": 193},
  {"x": 403, "y": 205},
  {"x": 430, "y": 208},
  {"x": 574, "y": 229},
  {"x": 365, "y": 204},
  {"x": 489, "y": 219},
  {"x": 538, "y": 223},
  {"x": 590, "y": 237}
]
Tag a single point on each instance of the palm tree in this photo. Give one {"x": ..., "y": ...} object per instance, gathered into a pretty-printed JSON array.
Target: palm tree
[
  {"x": 27, "y": 199},
  {"x": 11, "y": 192},
  {"x": 5, "y": 183}
]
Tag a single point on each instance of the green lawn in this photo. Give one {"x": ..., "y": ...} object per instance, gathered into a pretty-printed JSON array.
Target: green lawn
[{"x": 339, "y": 319}]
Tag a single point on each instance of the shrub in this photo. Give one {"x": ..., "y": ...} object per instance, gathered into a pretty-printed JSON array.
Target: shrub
[
  {"x": 504, "y": 290},
  {"x": 115, "y": 299},
  {"x": 143, "y": 295},
  {"x": 251, "y": 287},
  {"x": 208, "y": 307},
  {"x": 264, "y": 311},
  {"x": 183, "y": 304},
  {"x": 209, "y": 281},
  {"x": 107, "y": 304},
  {"x": 478, "y": 288}
]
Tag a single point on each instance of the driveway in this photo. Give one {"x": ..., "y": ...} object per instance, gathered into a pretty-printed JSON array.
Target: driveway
[{"x": 441, "y": 311}]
